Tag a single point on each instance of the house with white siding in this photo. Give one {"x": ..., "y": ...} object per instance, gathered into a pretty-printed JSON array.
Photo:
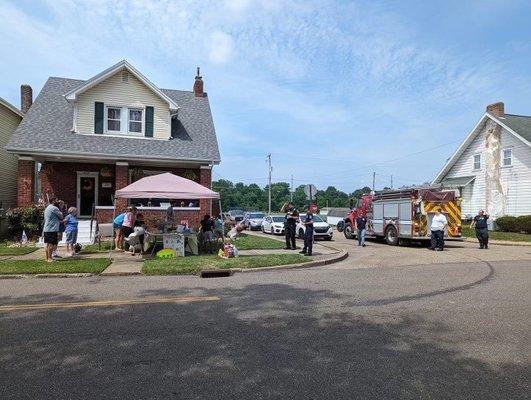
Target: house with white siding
[
  {"x": 10, "y": 118},
  {"x": 492, "y": 166}
]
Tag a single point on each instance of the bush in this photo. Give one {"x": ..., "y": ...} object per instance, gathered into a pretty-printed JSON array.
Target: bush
[
  {"x": 524, "y": 223},
  {"x": 30, "y": 219},
  {"x": 514, "y": 224}
]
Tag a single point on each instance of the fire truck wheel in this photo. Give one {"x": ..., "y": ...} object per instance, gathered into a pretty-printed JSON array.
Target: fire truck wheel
[
  {"x": 301, "y": 233},
  {"x": 391, "y": 236},
  {"x": 349, "y": 231}
]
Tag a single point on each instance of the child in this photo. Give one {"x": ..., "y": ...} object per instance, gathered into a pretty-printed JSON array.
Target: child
[
  {"x": 71, "y": 223},
  {"x": 139, "y": 223}
]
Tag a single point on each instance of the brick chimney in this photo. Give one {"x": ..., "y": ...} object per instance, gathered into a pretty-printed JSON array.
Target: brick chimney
[
  {"x": 496, "y": 109},
  {"x": 198, "y": 85},
  {"x": 26, "y": 98}
]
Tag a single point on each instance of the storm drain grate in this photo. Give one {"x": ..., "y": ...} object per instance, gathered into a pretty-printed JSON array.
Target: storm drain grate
[{"x": 215, "y": 273}]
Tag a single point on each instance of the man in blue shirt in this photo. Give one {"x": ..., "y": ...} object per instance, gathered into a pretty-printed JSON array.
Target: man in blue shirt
[
  {"x": 361, "y": 223},
  {"x": 482, "y": 232},
  {"x": 52, "y": 219},
  {"x": 307, "y": 221}
]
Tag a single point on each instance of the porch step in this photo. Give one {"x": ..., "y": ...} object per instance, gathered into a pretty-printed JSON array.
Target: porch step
[{"x": 84, "y": 235}]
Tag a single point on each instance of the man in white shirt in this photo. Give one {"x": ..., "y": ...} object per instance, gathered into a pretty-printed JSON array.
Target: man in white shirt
[{"x": 438, "y": 224}]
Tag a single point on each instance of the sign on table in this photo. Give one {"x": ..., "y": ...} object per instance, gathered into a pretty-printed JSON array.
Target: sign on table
[{"x": 174, "y": 241}]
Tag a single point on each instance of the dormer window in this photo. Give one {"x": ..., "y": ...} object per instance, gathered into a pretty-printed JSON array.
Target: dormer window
[
  {"x": 113, "y": 119},
  {"x": 124, "y": 120},
  {"x": 135, "y": 121}
]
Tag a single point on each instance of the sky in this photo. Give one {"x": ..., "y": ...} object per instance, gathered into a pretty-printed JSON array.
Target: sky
[{"x": 334, "y": 90}]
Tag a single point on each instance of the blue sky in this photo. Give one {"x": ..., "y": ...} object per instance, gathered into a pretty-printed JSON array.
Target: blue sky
[{"x": 333, "y": 89}]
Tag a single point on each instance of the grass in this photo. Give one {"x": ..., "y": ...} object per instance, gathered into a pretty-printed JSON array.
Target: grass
[
  {"x": 252, "y": 242},
  {"x": 194, "y": 265},
  {"x": 15, "y": 251},
  {"x": 92, "y": 265},
  {"x": 94, "y": 248},
  {"x": 495, "y": 235}
]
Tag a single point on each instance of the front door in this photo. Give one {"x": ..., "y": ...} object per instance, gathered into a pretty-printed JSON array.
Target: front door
[{"x": 87, "y": 192}]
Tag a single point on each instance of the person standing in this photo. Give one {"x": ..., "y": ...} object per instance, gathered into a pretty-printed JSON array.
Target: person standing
[
  {"x": 118, "y": 233},
  {"x": 307, "y": 220},
  {"x": 129, "y": 221},
  {"x": 207, "y": 227},
  {"x": 438, "y": 224},
  {"x": 71, "y": 227},
  {"x": 361, "y": 223},
  {"x": 482, "y": 232},
  {"x": 52, "y": 220},
  {"x": 290, "y": 226}
]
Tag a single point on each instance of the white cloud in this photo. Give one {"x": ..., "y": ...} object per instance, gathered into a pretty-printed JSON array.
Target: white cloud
[{"x": 221, "y": 47}]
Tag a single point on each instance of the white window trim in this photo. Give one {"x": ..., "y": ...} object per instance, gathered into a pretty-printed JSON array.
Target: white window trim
[
  {"x": 124, "y": 121},
  {"x": 474, "y": 161},
  {"x": 503, "y": 157}
]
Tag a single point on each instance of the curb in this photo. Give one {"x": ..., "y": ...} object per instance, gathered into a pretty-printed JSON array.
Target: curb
[
  {"x": 120, "y": 274},
  {"x": 343, "y": 254},
  {"x": 42, "y": 276},
  {"x": 500, "y": 242}
]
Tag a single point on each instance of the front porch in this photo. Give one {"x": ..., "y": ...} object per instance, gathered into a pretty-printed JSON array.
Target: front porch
[{"x": 90, "y": 187}]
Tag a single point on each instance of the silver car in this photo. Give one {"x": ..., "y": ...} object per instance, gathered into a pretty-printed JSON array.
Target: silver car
[{"x": 253, "y": 220}]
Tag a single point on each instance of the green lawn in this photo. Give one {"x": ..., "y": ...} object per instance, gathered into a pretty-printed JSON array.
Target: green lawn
[
  {"x": 92, "y": 265},
  {"x": 495, "y": 235},
  {"x": 252, "y": 242},
  {"x": 15, "y": 251},
  {"x": 94, "y": 248},
  {"x": 193, "y": 265}
]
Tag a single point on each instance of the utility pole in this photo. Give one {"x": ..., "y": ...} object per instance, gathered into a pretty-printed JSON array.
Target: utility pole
[
  {"x": 270, "y": 169},
  {"x": 291, "y": 191},
  {"x": 373, "y": 180},
  {"x": 391, "y": 181}
]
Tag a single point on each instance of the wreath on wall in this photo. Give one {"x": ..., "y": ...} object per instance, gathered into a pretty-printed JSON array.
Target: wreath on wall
[
  {"x": 190, "y": 174},
  {"x": 106, "y": 172}
]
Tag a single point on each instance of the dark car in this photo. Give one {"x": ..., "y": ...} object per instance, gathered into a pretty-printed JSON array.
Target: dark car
[{"x": 236, "y": 215}]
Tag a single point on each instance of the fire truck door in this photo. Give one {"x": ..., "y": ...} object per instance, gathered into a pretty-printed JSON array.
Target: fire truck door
[
  {"x": 405, "y": 221},
  {"x": 377, "y": 222}
]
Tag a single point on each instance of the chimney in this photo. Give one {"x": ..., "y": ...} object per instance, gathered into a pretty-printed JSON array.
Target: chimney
[
  {"x": 26, "y": 98},
  {"x": 497, "y": 109},
  {"x": 198, "y": 85}
]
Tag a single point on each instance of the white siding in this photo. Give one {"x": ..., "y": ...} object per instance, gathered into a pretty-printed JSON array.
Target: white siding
[
  {"x": 113, "y": 91},
  {"x": 8, "y": 162},
  {"x": 474, "y": 193},
  {"x": 516, "y": 180}
]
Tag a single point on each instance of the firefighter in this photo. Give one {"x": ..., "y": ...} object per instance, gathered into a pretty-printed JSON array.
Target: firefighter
[
  {"x": 307, "y": 221},
  {"x": 361, "y": 222},
  {"x": 438, "y": 224},
  {"x": 482, "y": 233},
  {"x": 290, "y": 225}
]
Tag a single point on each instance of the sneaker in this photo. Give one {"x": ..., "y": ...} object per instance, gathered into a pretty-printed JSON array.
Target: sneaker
[
  {"x": 302, "y": 252},
  {"x": 287, "y": 248},
  {"x": 363, "y": 245},
  {"x": 308, "y": 254},
  {"x": 56, "y": 257},
  {"x": 481, "y": 247},
  {"x": 486, "y": 247}
]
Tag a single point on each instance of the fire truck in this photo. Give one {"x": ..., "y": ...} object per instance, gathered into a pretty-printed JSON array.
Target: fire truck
[{"x": 394, "y": 215}]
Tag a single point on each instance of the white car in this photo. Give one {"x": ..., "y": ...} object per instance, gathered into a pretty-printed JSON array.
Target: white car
[
  {"x": 321, "y": 229},
  {"x": 253, "y": 220},
  {"x": 273, "y": 224}
]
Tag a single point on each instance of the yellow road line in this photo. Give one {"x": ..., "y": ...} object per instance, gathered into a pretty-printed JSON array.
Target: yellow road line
[{"x": 107, "y": 303}]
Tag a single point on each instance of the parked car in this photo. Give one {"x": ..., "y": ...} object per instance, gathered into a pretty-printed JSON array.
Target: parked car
[
  {"x": 253, "y": 220},
  {"x": 273, "y": 224},
  {"x": 321, "y": 229},
  {"x": 235, "y": 215}
]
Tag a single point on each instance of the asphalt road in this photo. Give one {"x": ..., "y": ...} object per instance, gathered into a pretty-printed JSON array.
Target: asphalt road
[{"x": 438, "y": 331}]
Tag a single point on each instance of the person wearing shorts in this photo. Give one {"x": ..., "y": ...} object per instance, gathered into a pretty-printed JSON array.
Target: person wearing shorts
[
  {"x": 207, "y": 226},
  {"x": 52, "y": 219},
  {"x": 71, "y": 227},
  {"x": 118, "y": 234}
]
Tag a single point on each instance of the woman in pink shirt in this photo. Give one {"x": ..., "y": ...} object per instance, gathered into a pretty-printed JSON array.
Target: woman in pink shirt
[{"x": 129, "y": 221}]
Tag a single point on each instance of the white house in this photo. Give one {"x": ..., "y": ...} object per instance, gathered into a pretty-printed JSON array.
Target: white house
[{"x": 492, "y": 167}]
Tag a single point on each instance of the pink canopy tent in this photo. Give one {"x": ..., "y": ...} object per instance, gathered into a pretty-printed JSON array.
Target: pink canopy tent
[{"x": 166, "y": 186}]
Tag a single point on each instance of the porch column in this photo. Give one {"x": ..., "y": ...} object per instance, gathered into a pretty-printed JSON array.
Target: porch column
[
  {"x": 121, "y": 181},
  {"x": 205, "y": 179},
  {"x": 25, "y": 182}
]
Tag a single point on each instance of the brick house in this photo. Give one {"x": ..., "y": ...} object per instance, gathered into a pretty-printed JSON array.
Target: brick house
[{"x": 82, "y": 140}]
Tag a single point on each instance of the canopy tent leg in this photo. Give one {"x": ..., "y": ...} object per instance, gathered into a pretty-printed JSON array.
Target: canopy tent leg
[
  {"x": 222, "y": 221},
  {"x": 113, "y": 242}
]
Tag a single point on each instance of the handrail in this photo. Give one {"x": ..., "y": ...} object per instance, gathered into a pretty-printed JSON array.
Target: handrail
[{"x": 92, "y": 215}]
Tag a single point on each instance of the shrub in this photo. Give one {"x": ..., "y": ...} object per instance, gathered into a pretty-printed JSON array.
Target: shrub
[
  {"x": 524, "y": 223},
  {"x": 30, "y": 219},
  {"x": 507, "y": 224}
]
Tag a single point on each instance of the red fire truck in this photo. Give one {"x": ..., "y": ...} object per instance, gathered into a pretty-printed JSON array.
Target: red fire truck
[{"x": 405, "y": 214}]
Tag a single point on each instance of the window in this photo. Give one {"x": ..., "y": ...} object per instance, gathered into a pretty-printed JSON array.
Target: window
[
  {"x": 477, "y": 161},
  {"x": 507, "y": 155},
  {"x": 135, "y": 121},
  {"x": 124, "y": 120},
  {"x": 113, "y": 119}
]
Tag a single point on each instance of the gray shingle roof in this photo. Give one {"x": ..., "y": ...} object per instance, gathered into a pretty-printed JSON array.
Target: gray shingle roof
[
  {"x": 46, "y": 128},
  {"x": 521, "y": 124}
]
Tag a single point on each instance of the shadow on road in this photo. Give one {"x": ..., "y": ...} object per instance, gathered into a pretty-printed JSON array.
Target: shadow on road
[{"x": 260, "y": 341}]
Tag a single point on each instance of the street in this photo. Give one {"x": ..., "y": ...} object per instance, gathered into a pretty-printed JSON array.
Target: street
[{"x": 386, "y": 330}]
